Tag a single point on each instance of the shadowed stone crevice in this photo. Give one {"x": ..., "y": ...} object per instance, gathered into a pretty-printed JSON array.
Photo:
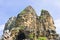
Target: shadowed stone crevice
[{"x": 20, "y": 36}]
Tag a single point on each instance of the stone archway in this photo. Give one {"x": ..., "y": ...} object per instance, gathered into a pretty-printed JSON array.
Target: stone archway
[{"x": 21, "y": 35}]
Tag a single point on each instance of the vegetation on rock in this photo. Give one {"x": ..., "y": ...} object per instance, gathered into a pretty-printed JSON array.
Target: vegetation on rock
[{"x": 32, "y": 26}]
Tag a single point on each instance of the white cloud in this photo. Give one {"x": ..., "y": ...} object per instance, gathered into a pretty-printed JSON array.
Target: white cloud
[
  {"x": 1, "y": 29},
  {"x": 57, "y": 24}
]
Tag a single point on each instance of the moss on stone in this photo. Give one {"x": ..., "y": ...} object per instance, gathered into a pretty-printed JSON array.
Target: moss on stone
[
  {"x": 23, "y": 12},
  {"x": 31, "y": 36},
  {"x": 42, "y": 38},
  {"x": 22, "y": 27},
  {"x": 41, "y": 17}
]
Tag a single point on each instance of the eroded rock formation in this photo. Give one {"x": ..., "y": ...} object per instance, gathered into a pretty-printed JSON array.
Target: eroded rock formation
[{"x": 28, "y": 25}]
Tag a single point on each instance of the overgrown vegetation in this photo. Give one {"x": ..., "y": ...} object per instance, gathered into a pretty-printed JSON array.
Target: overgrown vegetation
[
  {"x": 41, "y": 17},
  {"x": 22, "y": 27},
  {"x": 23, "y": 12},
  {"x": 31, "y": 35},
  {"x": 42, "y": 38}
]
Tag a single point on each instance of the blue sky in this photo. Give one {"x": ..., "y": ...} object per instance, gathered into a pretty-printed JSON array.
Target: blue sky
[{"x": 10, "y": 8}]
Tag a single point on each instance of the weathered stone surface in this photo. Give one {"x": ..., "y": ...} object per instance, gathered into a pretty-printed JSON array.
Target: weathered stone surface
[
  {"x": 31, "y": 26},
  {"x": 10, "y": 23}
]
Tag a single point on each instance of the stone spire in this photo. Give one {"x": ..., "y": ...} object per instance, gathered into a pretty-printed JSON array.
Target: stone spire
[{"x": 45, "y": 12}]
